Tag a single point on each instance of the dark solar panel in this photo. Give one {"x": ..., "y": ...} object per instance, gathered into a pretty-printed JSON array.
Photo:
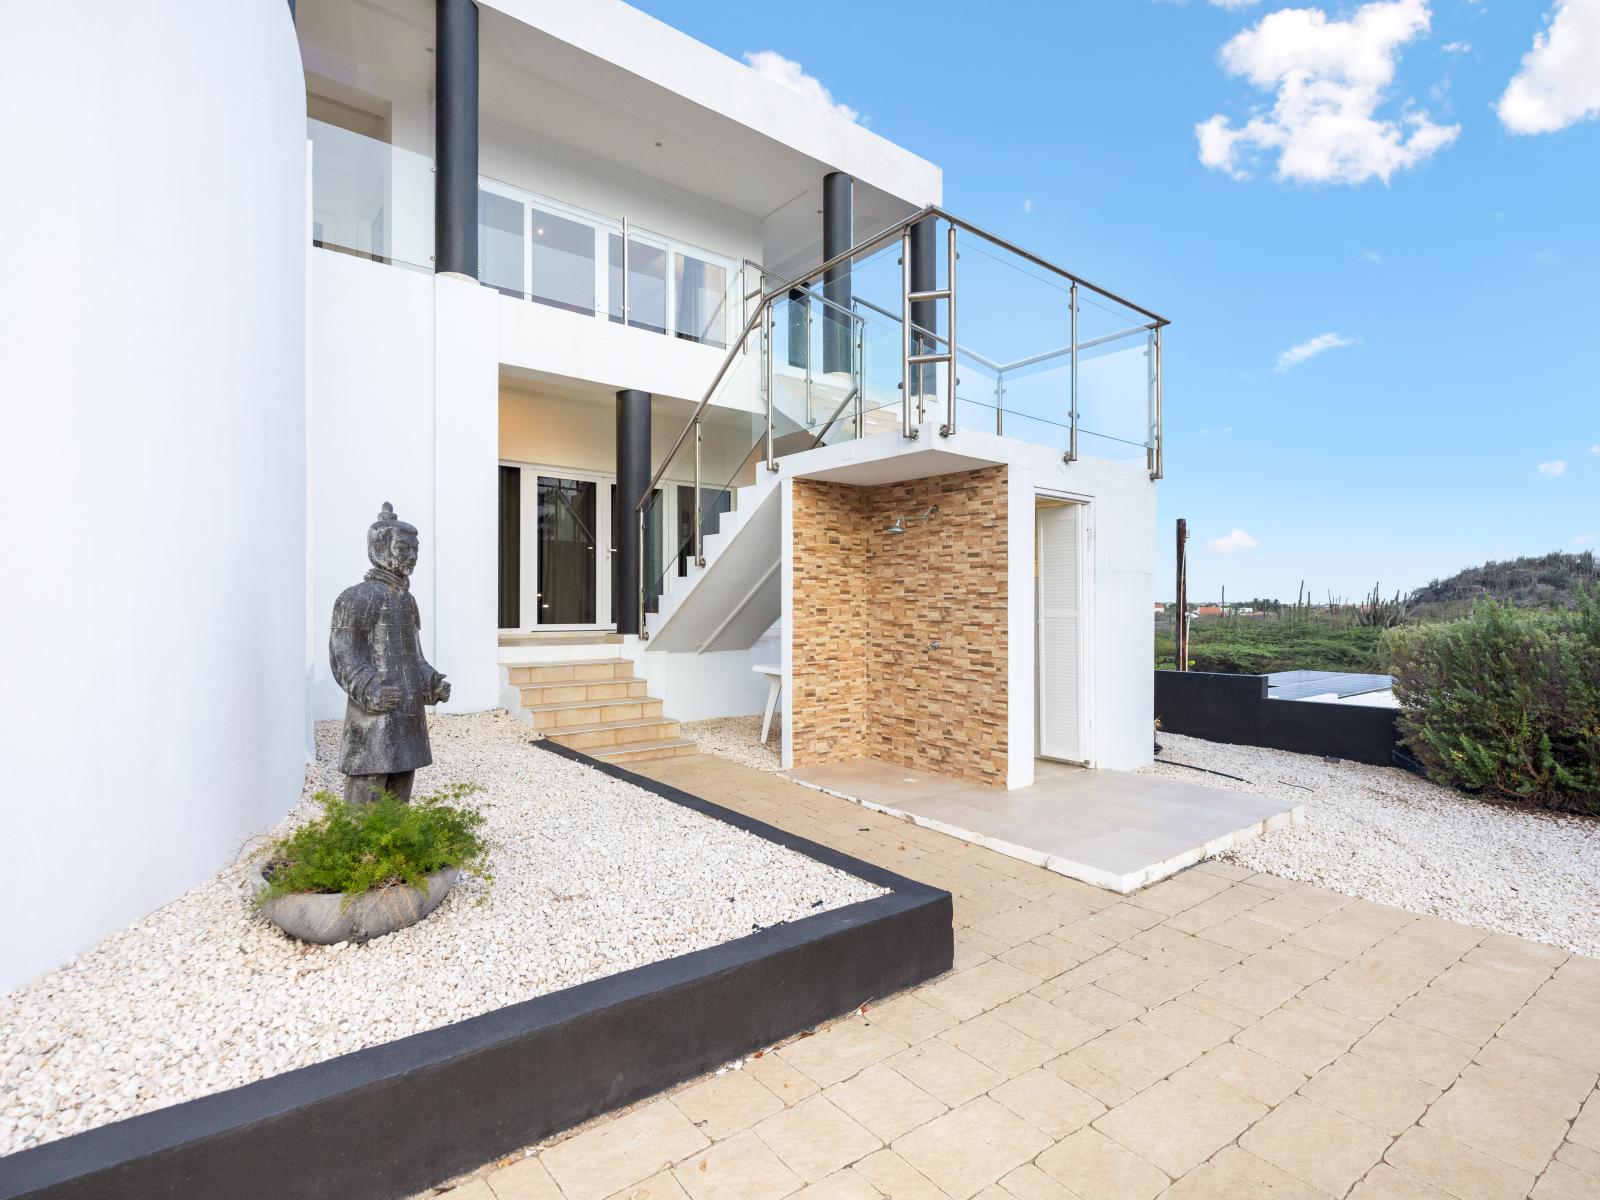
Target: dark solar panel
[{"x": 1299, "y": 685}]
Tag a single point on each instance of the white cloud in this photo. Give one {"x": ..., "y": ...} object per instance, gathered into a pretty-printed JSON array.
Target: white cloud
[
  {"x": 1237, "y": 539},
  {"x": 1373, "y": 257},
  {"x": 1552, "y": 470},
  {"x": 1583, "y": 539},
  {"x": 790, "y": 74},
  {"x": 1027, "y": 205},
  {"x": 1233, "y": 3},
  {"x": 1310, "y": 348},
  {"x": 1457, "y": 47},
  {"x": 1595, "y": 449},
  {"x": 1329, "y": 79},
  {"x": 1559, "y": 83}
]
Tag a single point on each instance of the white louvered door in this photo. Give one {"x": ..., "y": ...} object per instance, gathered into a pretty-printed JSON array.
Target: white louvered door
[{"x": 1060, "y": 630}]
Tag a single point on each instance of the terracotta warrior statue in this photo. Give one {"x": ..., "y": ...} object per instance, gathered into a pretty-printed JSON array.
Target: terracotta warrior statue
[{"x": 376, "y": 651}]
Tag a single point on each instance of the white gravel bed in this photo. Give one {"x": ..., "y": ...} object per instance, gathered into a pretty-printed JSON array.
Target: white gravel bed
[
  {"x": 739, "y": 739},
  {"x": 591, "y": 876},
  {"x": 1389, "y": 836}
]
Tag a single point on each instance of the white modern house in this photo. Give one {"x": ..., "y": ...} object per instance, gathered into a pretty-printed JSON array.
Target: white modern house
[{"x": 678, "y": 373}]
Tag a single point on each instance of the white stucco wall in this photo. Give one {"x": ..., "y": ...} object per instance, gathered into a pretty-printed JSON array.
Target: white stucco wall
[{"x": 152, "y": 470}]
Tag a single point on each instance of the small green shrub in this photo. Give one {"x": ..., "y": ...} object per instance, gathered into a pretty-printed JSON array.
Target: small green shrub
[
  {"x": 1256, "y": 646},
  {"x": 1505, "y": 702},
  {"x": 355, "y": 849}
]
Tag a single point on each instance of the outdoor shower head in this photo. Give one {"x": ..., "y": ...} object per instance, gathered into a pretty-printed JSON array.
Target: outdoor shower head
[{"x": 899, "y": 523}]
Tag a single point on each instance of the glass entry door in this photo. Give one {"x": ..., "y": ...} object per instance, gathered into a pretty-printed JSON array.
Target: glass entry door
[{"x": 564, "y": 552}]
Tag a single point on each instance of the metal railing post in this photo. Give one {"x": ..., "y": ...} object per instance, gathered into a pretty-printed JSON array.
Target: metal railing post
[
  {"x": 908, "y": 427},
  {"x": 808, "y": 364},
  {"x": 766, "y": 355},
  {"x": 644, "y": 574},
  {"x": 699, "y": 548},
  {"x": 861, "y": 374},
  {"x": 624, "y": 272},
  {"x": 1072, "y": 435},
  {"x": 1159, "y": 466},
  {"x": 999, "y": 402},
  {"x": 949, "y": 425}
]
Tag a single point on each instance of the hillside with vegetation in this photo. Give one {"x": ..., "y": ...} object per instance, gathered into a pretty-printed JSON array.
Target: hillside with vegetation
[{"x": 1548, "y": 581}]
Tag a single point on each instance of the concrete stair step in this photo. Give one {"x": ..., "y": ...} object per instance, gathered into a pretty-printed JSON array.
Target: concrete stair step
[
  {"x": 574, "y": 638},
  {"x": 614, "y": 733},
  {"x": 634, "y": 752},
  {"x": 566, "y": 691},
  {"x": 548, "y": 717},
  {"x": 573, "y": 670}
]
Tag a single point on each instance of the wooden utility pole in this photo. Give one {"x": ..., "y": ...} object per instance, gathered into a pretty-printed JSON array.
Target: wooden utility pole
[{"x": 1182, "y": 641}]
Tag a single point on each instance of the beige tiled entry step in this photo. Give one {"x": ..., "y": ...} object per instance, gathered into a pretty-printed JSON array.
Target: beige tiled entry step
[
  {"x": 596, "y": 705},
  {"x": 1114, "y": 829}
]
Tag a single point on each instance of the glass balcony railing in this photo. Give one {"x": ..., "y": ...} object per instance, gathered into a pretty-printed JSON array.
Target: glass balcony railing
[{"x": 375, "y": 200}]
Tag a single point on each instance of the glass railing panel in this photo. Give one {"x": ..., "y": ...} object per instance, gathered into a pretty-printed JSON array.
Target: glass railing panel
[
  {"x": 1113, "y": 397},
  {"x": 370, "y": 198},
  {"x": 732, "y": 451},
  {"x": 669, "y": 524}
]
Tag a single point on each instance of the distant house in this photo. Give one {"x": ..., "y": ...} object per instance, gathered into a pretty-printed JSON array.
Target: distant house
[
  {"x": 1160, "y": 608},
  {"x": 1208, "y": 610}
]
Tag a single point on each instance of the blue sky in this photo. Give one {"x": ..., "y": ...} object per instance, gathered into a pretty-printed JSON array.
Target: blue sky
[{"x": 1435, "y": 264}]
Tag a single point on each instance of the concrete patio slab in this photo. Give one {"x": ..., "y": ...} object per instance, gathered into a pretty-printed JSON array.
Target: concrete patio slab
[{"x": 1114, "y": 829}]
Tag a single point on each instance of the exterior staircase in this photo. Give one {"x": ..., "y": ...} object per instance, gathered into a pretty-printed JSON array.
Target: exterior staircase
[{"x": 584, "y": 694}]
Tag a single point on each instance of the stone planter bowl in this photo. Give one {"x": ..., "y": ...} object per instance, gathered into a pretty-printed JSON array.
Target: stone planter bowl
[{"x": 324, "y": 919}]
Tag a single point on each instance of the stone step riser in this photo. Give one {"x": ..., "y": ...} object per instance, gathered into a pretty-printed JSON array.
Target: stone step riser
[
  {"x": 621, "y": 735},
  {"x": 547, "y": 719},
  {"x": 623, "y": 756},
  {"x": 578, "y": 693},
  {"x": 570, "y": 673}
]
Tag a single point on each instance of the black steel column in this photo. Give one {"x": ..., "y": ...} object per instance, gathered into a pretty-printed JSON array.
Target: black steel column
[
  {"x": 925, "y": 313},
  {"x": 836, "y": 239},
  {"x": 455, "y": 188},
  {"x": 633, "y": 477}
]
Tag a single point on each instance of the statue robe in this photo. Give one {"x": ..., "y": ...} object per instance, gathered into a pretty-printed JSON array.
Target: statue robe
[{"x": 375, "y": 641}]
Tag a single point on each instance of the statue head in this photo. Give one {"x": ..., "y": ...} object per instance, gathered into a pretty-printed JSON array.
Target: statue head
[{"x": 391, "y": 543}]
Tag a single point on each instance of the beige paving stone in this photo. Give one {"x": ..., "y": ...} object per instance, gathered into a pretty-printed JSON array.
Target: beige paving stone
[
  {"x": 1019, "y": 925},
  {"x": 1349, "y": 1001},
  {"x": 1099, "y": 1007},
  {"x": 966, "y": 994},
  {"x": 1186, "y": 952},
  {"x": 1282, "y": 912},
  {"x": 1093, "y": 969},
  {"x": 1120, "y": 920},
  {"x": 843, "y": 1185},
  {"x": 1424, "y": 1054},
  {"x": 1551, "y": 1083},
  {"x": 998, "y": 1045},
  {"x": 658, "y": 1187},
  {"x": 1252, "y": 989},
  {"x": 1243, "y": 932},
  {"x": 1586, "y": 1129},
  {"x": 1383, "y": 1182},
  {"x": 1556, "y": 1029},
  {"x": 815, "y": 1138},
  {"x": 1048, "y": 1102},
  {"x": 1580, "y": 1158},
  {"x": 1493, "y": 986},
  {"x": 1478, "y": 1114},
  {"x": 473, "y": 1189},
  {"x": 1254, "y": 1075},
  {"x": 1150, "y": 982},
  {"x": 1336, "y": 941},
  {"x": 636, "y": 1145},
  {"x": 1027, "y": 1182},
  {"x": 842, "y": 1049},
  {"x": 1455, "y": 1168},
  {"x": 1561, "y": 1182},
  {"x": 1094, "y": 1166},
  {"x": 1196, "y": 1031},
  {"x": 741, "y": 1168},
  {"x": 781, "y": 1077},
  {"x": 896, "y": 1179},
  {"x": 1381, "y": 978},
  {"x": 971, "y": 1147},
  {"x": 1239, "y": 1018},
  {"x": 909, "y": 1017},
  {"x": 885, "y": 1102},
  {"x": 1235, "y": 1174},
  {"x": 1295, "y": 963},
  {"x": 1301, "y": 1035},
  {"x": 722, "y": 1105},
  {"x": 1446, "y": 1012},
  {"x": 1178, "y": 1127},
  {"x": 1372, "y": 1093},
  {"x": 945, "y": 1072},
  {"x": 1315, "y": 1144},
  {"x": 1133, "y": 1054},
  {"x": 1046, "y": 1022},
  {"x": 1043, "y": 957},
  {"x": 1501, "y": 949},
  {"x": 1109, "y": 1092},
  {"x": 525, "y": 1180},
  {"x": 1173, "y": 895}
]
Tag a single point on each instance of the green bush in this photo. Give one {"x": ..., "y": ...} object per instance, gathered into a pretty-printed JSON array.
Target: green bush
[
  {"x": 355, "y": 849},
  {"x": 1256, "y": 646},
  {"x": 1505, "y": 702}
]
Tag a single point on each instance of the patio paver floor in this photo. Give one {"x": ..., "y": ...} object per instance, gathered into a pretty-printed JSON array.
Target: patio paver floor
[{"x": 1218, "y": 1034}]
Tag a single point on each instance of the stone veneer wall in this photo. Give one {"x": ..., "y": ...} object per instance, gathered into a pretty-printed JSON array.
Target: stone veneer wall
[{"x": 865, "y": 606}]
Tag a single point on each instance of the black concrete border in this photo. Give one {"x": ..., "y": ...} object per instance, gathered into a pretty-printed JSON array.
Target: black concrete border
[
  {"x": 1236, "y": 709},
  {"x": 390, "y": 1120}
]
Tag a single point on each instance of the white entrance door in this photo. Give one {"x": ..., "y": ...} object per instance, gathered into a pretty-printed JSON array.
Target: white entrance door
[
  {"x": 1059, "y": 602},
  {"x": 563, "y": 567}
]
